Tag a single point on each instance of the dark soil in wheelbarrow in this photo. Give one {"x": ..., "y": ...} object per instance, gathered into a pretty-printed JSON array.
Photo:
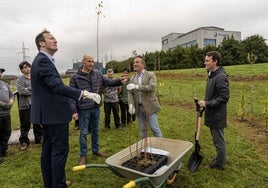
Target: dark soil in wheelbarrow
[{"x": 147, "y": 165}]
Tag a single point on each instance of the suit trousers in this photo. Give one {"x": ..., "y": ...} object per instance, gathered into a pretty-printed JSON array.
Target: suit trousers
[
  {"x": 55, "y": 150},
  {"x": 220, "y": 145}
]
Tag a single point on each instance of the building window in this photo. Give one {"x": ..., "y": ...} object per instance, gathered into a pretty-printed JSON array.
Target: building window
[
  {"x": 189, "y": 44},
  {"x": 209, "y": 42},
  {"x": 165, "y": 42}
]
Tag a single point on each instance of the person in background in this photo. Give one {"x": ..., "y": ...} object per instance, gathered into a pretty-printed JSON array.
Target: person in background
[
  {"x": 51, "y": 109},
  {"x": 111, "y": 102},
  {"x": 87, "y": 111},
  {"x": 141, "y": 96},
  {"x": 126, "y": 117},
  {"x": 6, "y": 102},
  {"x": 215, "y": 104},
  {"x": 24, "y": 103}
]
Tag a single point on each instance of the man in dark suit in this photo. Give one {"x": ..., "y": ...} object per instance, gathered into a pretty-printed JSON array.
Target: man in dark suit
[{"x": 51, "y": 109}]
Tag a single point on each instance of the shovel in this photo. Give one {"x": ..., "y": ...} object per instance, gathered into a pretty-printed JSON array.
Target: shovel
[{"x": 196, "y": 159}]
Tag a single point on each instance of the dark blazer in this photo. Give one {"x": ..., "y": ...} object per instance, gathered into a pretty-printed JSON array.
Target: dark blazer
[{"x": 50, "y": 97}]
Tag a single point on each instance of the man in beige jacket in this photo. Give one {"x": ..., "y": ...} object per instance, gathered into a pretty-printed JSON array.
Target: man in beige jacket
[{"x": 142, "y": 98}]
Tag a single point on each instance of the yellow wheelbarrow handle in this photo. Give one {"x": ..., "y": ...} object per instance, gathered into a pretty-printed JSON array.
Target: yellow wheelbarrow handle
[
  {"x": 80, "y": 167},
  {"x": 131, "y": 184}
]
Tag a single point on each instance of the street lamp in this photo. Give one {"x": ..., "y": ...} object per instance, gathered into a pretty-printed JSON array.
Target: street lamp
[{"x": 99, "y": 13}]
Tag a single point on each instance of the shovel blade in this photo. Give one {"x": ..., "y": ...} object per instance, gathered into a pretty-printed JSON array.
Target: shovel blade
[{"x": 194, "y": 161}]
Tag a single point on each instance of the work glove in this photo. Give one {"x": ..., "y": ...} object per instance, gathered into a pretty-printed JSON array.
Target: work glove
[
  {"x": 131, "y": 109},
  {"x": 94, "y": 96},
  {"x": 132, "y": 86}
]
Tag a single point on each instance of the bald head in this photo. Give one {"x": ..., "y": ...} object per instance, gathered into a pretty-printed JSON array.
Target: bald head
[{"x": 88, "y": 63}]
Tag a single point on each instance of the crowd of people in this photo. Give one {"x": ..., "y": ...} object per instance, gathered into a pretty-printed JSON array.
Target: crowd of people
[{"x": 47, "y": 103}]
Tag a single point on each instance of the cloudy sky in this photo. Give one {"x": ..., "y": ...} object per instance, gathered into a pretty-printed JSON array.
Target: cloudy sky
[{"x": 124, "y": 26}]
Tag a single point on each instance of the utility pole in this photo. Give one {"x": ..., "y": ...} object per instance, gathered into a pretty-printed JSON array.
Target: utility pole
[
  {"x": 23, "y": 52},
  {"x": 99, "y": 13}
]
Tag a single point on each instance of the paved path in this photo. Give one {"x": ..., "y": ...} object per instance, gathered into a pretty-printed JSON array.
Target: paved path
[{"x": 15, "y": 135}]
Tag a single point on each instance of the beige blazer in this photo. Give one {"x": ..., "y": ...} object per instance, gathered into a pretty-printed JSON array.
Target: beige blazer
[{"x": 147, "y": 89}]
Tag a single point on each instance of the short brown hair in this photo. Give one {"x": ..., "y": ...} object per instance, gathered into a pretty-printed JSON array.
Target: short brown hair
[
  {"x": 216, "y": 56},
  {"x": 40, "y": 38},
  {"x": 24, "y": 63}
]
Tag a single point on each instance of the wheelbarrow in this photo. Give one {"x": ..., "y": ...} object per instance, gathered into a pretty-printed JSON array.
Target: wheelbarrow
[{"x": 162, "y": 177}]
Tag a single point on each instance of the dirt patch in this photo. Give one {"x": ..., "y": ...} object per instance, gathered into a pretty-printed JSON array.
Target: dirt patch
[{"x": 255, "y": 132}]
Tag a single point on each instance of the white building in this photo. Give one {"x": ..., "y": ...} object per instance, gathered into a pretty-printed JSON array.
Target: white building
[{"x": 203, "y": 36}]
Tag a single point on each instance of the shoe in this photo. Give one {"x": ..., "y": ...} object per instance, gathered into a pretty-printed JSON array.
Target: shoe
[
  {"x": 214, "y": 166},
  {"x": 99, "y": 154},
  {"x": 83, "y": 160},
  {"x": 4, "y": 153},
  {"x": 68, "y": 183},
  {"x": 38, "y": 142},
  {"x": 23, "y": 147}
]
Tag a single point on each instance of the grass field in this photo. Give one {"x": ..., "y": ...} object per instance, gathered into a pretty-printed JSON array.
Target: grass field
[{"x": 247, "y": 136}]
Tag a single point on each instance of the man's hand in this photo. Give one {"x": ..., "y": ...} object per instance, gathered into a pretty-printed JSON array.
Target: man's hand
[
  {"x": 132, "y": 86},
  {"x": 94, "y": 96},
  {"x": 202, "y": 104},
  {"x": 131, "y": 109},
  {"x": 75, "y": 116},
  {"x": 123, "y": 80}
]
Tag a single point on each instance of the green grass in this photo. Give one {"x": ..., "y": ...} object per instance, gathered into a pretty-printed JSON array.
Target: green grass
[{"x": 246, "y": 164}]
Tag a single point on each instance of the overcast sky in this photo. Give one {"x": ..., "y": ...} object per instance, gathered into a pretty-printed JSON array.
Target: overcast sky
[{"x": 124, "y": 26}]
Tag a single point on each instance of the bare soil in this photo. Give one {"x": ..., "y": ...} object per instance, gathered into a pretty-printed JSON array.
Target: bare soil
[{"x": 255, "y": 132}]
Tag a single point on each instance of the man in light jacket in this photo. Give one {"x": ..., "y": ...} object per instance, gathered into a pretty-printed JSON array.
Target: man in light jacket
[{"x": 142, "y": 98}]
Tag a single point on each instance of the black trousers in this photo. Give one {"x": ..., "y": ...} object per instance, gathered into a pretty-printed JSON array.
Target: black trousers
[
  {"x": 108, "y": 107},
  {"x": 5, "y": 132},
  {"x": 25, "y": 125},
  {"x": 55, "y": 150},
  {"x": 125, "y": 115}
]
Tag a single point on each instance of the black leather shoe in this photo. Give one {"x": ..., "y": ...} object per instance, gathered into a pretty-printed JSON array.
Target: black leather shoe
[{"x": 4, "y": 153}]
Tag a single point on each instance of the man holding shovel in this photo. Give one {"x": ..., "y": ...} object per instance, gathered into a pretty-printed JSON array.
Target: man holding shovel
[{"x": 215, "y": 104}]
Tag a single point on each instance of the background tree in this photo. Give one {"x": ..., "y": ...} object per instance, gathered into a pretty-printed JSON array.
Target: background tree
[
  {"x": 232, "y": 52},
  {"x": 256, "y": 45}
]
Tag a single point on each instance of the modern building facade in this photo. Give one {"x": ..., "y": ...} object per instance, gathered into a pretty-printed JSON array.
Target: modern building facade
[
  {"x": 77, "y": 65},
  {"x": 202, "y": 36}
]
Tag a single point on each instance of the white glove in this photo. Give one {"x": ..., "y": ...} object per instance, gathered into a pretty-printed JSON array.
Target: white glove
[
  {"x": 132, "y": 86},
  {"x": 94, "y": 96},
  {"x": 131, "y": 109}
]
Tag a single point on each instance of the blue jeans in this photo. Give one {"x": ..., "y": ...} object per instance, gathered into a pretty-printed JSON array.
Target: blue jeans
[
  {"x": 86, "y": 116},
  {"x": 152, "y": 121}
]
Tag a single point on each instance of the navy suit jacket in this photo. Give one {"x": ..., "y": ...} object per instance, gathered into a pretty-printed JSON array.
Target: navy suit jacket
[{"x": 50, "y": 97}]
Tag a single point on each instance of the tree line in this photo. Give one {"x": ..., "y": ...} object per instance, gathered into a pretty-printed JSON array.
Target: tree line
[{"x": 253, "y": 49}]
